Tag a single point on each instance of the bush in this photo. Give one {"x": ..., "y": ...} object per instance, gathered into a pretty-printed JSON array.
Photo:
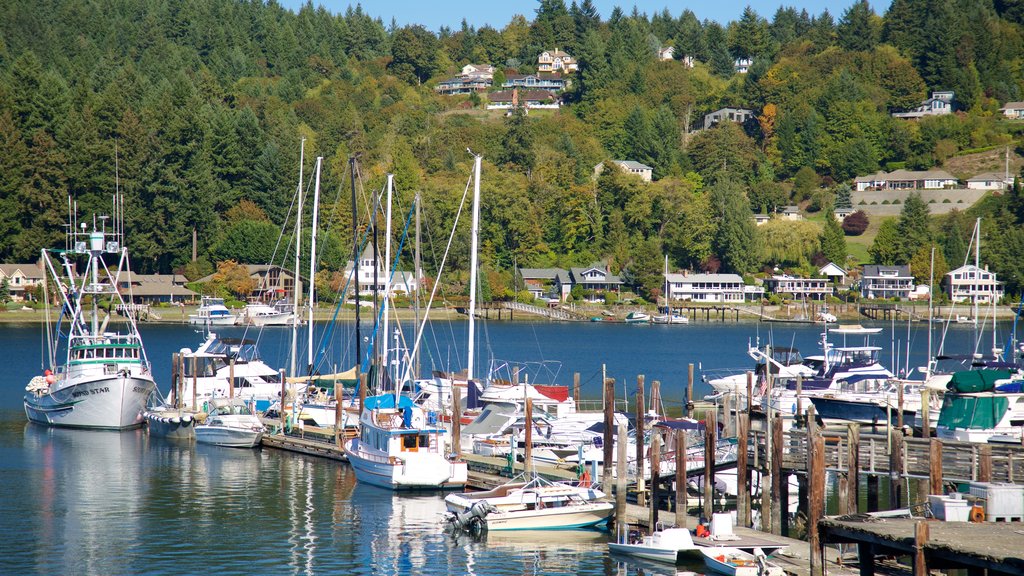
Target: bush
[
  {"x": 947, "y": 201},
  {"x": 855, "y": 224},
  {"x": 896, "y": 201},
  {"x": 610, "y": 298},
  {"x": 932, "y": 201},
  {"x": 884, "y": 202},
  {"x": 862, "y": 203}
]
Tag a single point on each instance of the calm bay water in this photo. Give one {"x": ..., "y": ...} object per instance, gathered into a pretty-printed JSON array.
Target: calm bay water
[{"x": 80, "y": 502}]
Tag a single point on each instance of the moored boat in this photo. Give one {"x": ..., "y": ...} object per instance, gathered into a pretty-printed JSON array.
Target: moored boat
[
  {"x": 171, "y": 423},
  {"x": 670, "y": 545},
  {"x": 230, "y": 423},
  {"x": 736, "y": 562},
  {"x": 536, "y": 504},
  {"x": 638, "y": 317},
  {"x": 212, "y": 312}
]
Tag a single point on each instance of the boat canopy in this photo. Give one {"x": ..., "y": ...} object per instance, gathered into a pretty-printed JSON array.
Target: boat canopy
[
  {"x": 972, "y": 412},
  {"x": 969, "y": 381},
  {"x": 683, "y": 424},
  {"x": 387, "y": 401},
  {"x": 347, "y": 377}
]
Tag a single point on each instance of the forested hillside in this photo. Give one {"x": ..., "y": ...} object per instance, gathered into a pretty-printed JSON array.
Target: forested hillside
[{"x": 197, "y": 108}]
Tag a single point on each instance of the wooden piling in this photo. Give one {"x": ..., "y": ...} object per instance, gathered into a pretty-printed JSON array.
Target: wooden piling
[
  {"x": 896, "y": 470},
  {"x": 920, "y": 540},
  {"x": 656, "y": 398},
  {"x": 231, "y": 378},
  {"x": 710, "y": 440},
  {"x": 852, "y": 468},
  {"x": 609, "y": 438},
  {"x": 926, "y": 425},
  {"x": 457, "y": 419},
  {"x": 528, "y": 424},
  {"x": 576, "y": 390},
  {"x": 872, "y": 490},
  {"x": 284, "y": 398},
  {"x": 935, "y": 467},
  {"x": 750, "y": 390},
  {"x": 655, "y": 476},
  {"x": 689, "y": 391},
  {"x": 985, "y": 463},
  {"x": 680, "y": 437},
  {"x": 339, "y": 423},
  {"x": 640, "y": 446},
  {"x": 899, "y": 406},
  {"x": 174, "y": 379},
  {"x": 816, "y": 503},
  {"x": 799, "y": 397},
  {"x": 742, "y": 483},
  {"x": 622, "y": 525},
  {"x": 771, "y": 478},
  {"x": 363, "y": 383}
]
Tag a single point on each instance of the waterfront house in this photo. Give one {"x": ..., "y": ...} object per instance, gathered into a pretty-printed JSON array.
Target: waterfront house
[
  {"x": 906, "y": 180},
  {"x": 738, "y": 115},
  {"x": 552, "y": 283},
  {"x": 990, "y": 181},
  {"x": 530, "y": 99},
  {"x": 272, "y": 281},
  {"x": 1013, "y": 110},
  {"x": 881, "y": 281},
  {"x": 973, "y": 284},
  {"x": 800, "y": 288},
  {"x": 552, "y": 82},
  {"x": 644, "y": 171},
  {"x": 556, "y": 61},
  {"x": 153, "y": 288},
  {"x": 596, "y": 280},
  {"x": 402, "y": 282},
  {"x": 22, "y": 279},
  {"x": 707, "y": 287},
  {"x": 834, "y": 272},
  {"x": 742, "y": 65},
  {"x": 940, "y": 103}
]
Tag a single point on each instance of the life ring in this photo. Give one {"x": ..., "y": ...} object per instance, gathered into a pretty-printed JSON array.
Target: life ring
[{"x": 977, "y": 514}]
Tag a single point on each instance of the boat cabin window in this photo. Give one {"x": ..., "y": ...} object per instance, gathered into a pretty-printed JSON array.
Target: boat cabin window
[{"x": 413, "y": 442}]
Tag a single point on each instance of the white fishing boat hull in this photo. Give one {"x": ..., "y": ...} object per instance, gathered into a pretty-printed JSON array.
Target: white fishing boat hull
[
  {"x": 645, "y": 552},
  {"x": 410, "y": 471},
  {"x": 521, "y": 507},
  {"x": 113, "y": 402},
  {"x": 171, "y": 424},
  {"x": 228, "y": 436},
  {"x": 582, "y": 516},
  {"x": 228, "y": 320},
  {"x": 670, "y": 545}
]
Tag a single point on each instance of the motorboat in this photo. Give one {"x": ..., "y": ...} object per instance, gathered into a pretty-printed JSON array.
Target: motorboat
[
  {"x": 535, "y": 504},
  {"x": 735, "y": 562},
  {"x": 105, "y": 378},
  {"x": 780, "y": 362},
  {"x": 637, "y": 317},
  {"x": 879, "y": 407},
  {"x": 397, "y": 448},
  {"x": 982, "y": 404},
  {"x": 263, "y": 314},
  {"x": 670, "y": 319},
  {"x": 212, "y": 312},
  {"x": 211, "y": 367},
  {"x": 670, "y": 545},
  {"x": 230, "y": 422}
]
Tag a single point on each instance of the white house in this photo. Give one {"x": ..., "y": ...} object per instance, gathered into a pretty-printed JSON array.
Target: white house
[
  {"x": 834, "y": 272},
  {"x": 760, "y": 219},
  {"x": 973, "y": 284},
  {"x": 555, "y": 61},
  {"x": 800, "y": 288},
  {"x": 688, "y": 61},
  {"x": 742, "y": 65},
  {"x": 21, "y": 277},
  {"x": 666, "y": 53},
  {"x": 906, "y": 180},
  {"x": 842, "y": 213},
  {"x": 990, "y": 181},
  {"x": 530, "y": 99},
  {"x": 401, "y": 282},
  {"x": 706, "y": 287},
  {"x": 738, "y": 115},
  {"x": 479, "y": 70},
  {"x": 886, "y": 282},
  {"x": 1013, "y": 110},
  {"x": 940, "y": 103},
  {"x": 644, "y": 171},
  {"x": 791, "y": 213}
]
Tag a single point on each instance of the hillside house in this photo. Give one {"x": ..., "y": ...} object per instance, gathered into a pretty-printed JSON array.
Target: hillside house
[
  {"x": 834, "y": 272},
  {"x": 761, "y": 219},
  {"x": 644, "y": 171},
  {"x": 738, "y": 115},
  {"x": 272, "y": 281},
  {"x": 666, "y": 53},
  {"x": 940, "y": 103},
  {"x": 842, "y": 213},
  {"x": 886, "y": 282},
  {"x": 596, "y": 280},
  {"x": 551, "y": 82},
  {"x": 479, "y": 71},
  {"x": 530, "y": 99},
  {"x": 973, "y": 284},
  {"x": 990, "y": 181},
  {"x": 402, "y": 282},
  {"x": 800, "y": 288},
  {"x": 1013, "y": 110},
  {"x": 154, "y": 288},
  {"x": 22, "y": 279},
  {"x": 556, "y": 61},
  {"x": 742, "y": 65},
  {"x": 791, "y": 213},
  {"x": 906, "y": 180}
]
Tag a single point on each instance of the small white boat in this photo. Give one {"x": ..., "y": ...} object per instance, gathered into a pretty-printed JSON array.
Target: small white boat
[
  {"x": 212, "y": 312},
  {"x": 664, "y": 545},
  {"x": 670, "y": 319},
  {"x": 638, "y": 318},
  {"x": 230, "y": 423},
  {"x": 261, "y": 314},
  {"x": 537, "y": 504},
  {"x": 736, "y": 562}
]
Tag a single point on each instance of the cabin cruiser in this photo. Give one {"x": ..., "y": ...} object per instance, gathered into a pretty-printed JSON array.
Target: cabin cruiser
[
  {"x": 781, "y": 362},
  {"x": 980, "y": 405},
  {"x": 258, "y": 313},
  {"x": 210, "y": 369},
  {"x": 230, "y": 422},
  {"x": 534, "y": 504},
  {"x": 212, "y": 312}
]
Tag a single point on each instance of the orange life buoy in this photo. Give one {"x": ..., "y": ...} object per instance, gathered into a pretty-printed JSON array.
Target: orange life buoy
[
  {"x": 977, "y": 514},
  {"x": 585, "y": 479}
]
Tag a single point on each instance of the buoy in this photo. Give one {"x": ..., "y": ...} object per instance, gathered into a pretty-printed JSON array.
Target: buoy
[{"x": 977, "y": 514}]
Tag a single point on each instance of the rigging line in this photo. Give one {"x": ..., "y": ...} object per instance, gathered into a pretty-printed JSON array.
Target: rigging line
[
  {"x": 328, "y": 333},
  {"x": 433, "y": 291}
]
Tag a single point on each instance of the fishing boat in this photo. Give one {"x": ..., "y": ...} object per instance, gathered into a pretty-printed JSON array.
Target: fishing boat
[
  {"x": 212, "y": 312},
  {"x": 222, "y": 367},
  {"x": 880, "y": 407},
  {"x": 736, "y": 562},
  {"x": 670, "y": 545},
  {"x": 535, "y": 504},
  {"x": 781, "y": 362},
  {"x": 105, "y": 378},
  {"x": 230, "y": 422},
  {"x": 398, "y": 449}
]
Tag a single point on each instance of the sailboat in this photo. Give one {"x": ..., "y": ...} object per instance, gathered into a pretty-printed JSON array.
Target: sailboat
[
  {"x": 105, "y": 378},
  {"x": 669, "y": 317}
]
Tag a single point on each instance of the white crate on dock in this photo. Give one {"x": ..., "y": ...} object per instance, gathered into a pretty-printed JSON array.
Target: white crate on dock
[{"x": 1004, "y": 502}]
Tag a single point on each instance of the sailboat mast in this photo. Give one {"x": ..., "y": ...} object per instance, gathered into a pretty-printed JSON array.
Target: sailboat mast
[
  {"x": 473, "y": 263},
  {"x": 384, "y": 351},
  {"x": 977, "y": 260},
  {"x": 355, "y": 256},
  {"x": 312, "y": 262},
  {"x": 931, "y": 300},
  {"x": 419, "y": 274},
  {"x": 296, "y": 289}
]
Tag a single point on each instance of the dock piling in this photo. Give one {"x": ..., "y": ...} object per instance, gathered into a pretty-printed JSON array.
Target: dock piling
[
  {"x": 681, "y": 504},
  {"x": 609, "y": 439},
  {"x": 576, "y": 389},
  {"x": 457, "y": 419},
  {"x": 655, "y": 475},
  {"x": 896, "y": 470},
  {"x": 985, "y": 463},
  {"x": 528, "y": 426},
  {"x": 742, "y": 483},
  {"x": 689, "y": 391},
  {"x": 710, "y": 439},
  {"x": 816, "y": 472},
  {"x": 640, "y": 446},
  {"x": 852, "y": 468},
  {"x": 934, "y": 467},
  {"x": 771, "y": 477},
  {"x": 620, "y": 475}
]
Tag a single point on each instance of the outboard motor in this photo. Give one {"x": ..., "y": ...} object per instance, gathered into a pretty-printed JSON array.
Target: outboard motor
[{"x": 473, "y": 520}]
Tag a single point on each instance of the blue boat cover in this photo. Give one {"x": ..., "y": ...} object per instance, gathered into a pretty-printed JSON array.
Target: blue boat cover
[{"x": 387, "y": 401}]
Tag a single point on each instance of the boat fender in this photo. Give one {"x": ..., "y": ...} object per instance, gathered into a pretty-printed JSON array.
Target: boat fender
[
  {"x": 977, "y": 514},
  {"x": 701, "y": 531}
]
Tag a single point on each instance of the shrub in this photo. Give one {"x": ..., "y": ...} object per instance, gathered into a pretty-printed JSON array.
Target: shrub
[
  {"x": 862, "y": 203},
  {"x": 610, "y": 298},
  {"x": 874, "y": 202},
  {"x": 932, "y": 201},
  {"x": 896, "y": 201},
  {"x": 960, "y": 201},
  {"x": 884, "y": 202},
  {"x": 947, "y": 201},
  {"x": 855, "y": 224}
]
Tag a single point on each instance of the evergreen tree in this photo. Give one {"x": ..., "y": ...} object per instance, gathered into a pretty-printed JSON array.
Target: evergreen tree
[
  {"x": 844, "y": 196},
  {"x": 913, "y": 226},
  {"x": 517, "y": 143},
  {"x": 859, "y": 28},
  {"x": 5, "y": 291},
  {"x": 833, "y": 241},
  {"x": 735, "y": 237},
  {"x": 718, "y": 57},
  {"x": 885, "y": 250}
]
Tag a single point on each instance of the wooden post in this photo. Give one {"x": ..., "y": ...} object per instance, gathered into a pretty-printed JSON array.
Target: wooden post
[
  {"x": 576, "y": 390},
  {"x": 620, "y": 476},
  {"x": 872, "y": 484},
  {"x": 284, "y": 398},
  {"x": 771, "y": 480},
  {"x": 515, "y": 375},
  {"x": 174, "y": 379},
  {"x": 457, "y": 420},
  {"x": 689, "y": 391},
  {"x": 742, "y": 487},
  {"x": 985, "y": 463},
  {"x": 640, "y": 446},
  {"x": 896, "y": 470},
  {"x": 231, "y": 379},
  {"x": 528, "y": 453},
  {"x": 934, "y": 467},
  {"x": 609, "y": 437},
  {"x": 816, "y": 504},
  {"x": 920, "y": 540},
  {"x": 680, "y": 478},
  {"x": 655, "y": 475},
  {"x": 363, "y": 383},
  {"x": 852, "y": 468},
  {"x": 339, "y": 424},
  {"x": 656, "y": 397},
  {"x": 926, "y": 426},
  {"x": 195, "y": 383},
  {"x": 799, "y": 398},
  {"x": 866, "y": 559},
  {"x": 710, "y": 439},
  {"x": 899, "y": 407},
  {"x": 750, "y": 390}
]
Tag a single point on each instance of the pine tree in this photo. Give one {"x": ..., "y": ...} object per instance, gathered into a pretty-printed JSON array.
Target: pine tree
[
  {"x": 735, "y": 238},
  {"x": 833, "y": 241},
  {"x": 913, "y": 226},
  {"x": 859, "y": 28}
]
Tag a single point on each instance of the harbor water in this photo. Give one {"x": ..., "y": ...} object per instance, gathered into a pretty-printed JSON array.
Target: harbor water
[{"x": 84, "y": 502}]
